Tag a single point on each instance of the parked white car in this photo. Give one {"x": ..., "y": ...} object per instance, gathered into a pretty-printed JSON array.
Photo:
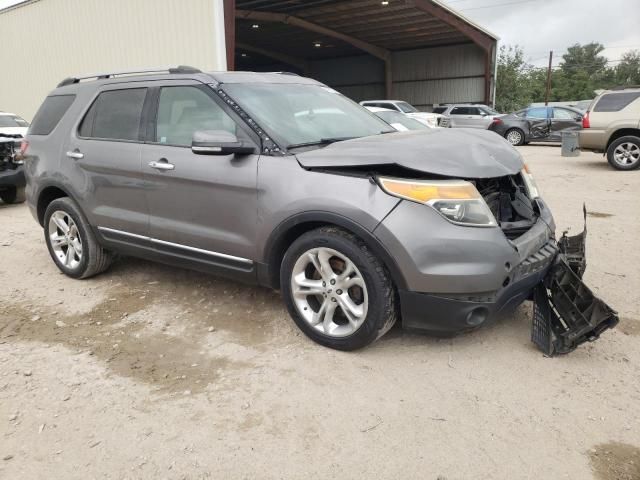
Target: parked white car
[
  {"x": 466, "y": 115},
  {"x": 431, "y": 120},
  {"x": 12, "y": 124}
]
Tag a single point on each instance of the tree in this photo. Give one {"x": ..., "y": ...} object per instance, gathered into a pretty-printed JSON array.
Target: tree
[
  {"x": 582, "y": 71},
  {"x": 627, "y": 72},
  {"x": 513, "y": 90}
]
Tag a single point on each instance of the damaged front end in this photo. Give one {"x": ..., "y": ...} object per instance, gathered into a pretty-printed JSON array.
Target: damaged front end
[{"x": 566, "y": 313}]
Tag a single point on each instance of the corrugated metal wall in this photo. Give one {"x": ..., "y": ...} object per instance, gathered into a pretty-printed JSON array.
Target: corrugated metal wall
[
  {"x": 53, "y": 39},
  {"x": 422, "y": 77}
]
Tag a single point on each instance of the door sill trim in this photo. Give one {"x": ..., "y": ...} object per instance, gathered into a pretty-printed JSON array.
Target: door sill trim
[{"x": 157, "y": 241}]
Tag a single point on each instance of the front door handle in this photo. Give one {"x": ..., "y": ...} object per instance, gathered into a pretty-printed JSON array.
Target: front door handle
[
  {"x": 76, "y": 154},
  {"x": 162, "y": 164}
]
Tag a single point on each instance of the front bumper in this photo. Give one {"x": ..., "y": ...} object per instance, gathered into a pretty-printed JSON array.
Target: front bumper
[
  {"x": 566, "y": 313},
  {"x": 446, "y": 315}
]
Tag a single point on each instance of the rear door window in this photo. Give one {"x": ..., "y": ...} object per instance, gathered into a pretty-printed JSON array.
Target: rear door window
[
  {"x": 614, "y": 102},
  {"x": 562, "y": 114},
  {"x": 50, "y": 113},
  {"x": 537, "y": 112},
  {"x": 115, "y": 115},
  {"x": 460, "y": 111}
]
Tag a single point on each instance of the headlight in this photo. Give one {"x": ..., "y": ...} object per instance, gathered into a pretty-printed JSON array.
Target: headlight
[
  {"x": 456, "y": 200},
  {"x": 529, "y": 182}
]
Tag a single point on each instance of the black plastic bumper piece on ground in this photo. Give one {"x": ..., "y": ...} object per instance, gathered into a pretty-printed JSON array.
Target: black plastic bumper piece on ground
[{"x": 566, "y": 313}]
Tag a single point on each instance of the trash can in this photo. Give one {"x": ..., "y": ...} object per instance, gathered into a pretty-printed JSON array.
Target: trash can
[{"x": 570, "y": 144}]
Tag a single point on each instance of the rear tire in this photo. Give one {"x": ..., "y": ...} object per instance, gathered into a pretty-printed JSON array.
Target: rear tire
[
  {"x": 13, "y": 195},
  {"x": 353, "y": 301},
  {"x": 515, "y": 136},
  {"x": 624, "y": 153},
  {"x": 71, "y": 242}
]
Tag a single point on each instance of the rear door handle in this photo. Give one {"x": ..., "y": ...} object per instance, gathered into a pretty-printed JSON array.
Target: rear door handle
[
  {"x": 162, "y": 165},
  {"x": 76, "y": 155}
]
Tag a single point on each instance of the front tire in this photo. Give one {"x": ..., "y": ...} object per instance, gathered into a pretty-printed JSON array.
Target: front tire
[
  {"x": 624, "y": 153},
  {"x": 13, "y": 195},
  {"x": 515, "y": 137},
  {"x": 336, "y": 290},
  {"x": 71, "y": 243}
]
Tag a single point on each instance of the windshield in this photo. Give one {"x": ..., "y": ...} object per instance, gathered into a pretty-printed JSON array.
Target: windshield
[
  {"x": 297, "y": 115},
  {"x": 400, "y": 121},
  {"x": 11, "y": 121},
  {"x": 406, "y": 108}
]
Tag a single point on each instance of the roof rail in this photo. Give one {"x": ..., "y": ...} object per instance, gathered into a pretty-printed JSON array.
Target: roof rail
[
  {"x": 625, "y": 87},
  {"x": 184, "y": 69}
]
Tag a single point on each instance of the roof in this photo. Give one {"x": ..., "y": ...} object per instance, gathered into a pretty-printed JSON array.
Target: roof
[{"x": 150, "y": 74}]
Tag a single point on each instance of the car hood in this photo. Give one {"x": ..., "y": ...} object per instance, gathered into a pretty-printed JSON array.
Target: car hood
[
  {"x": 459, "y": 153},
  {"x": 13, "y": 131}
]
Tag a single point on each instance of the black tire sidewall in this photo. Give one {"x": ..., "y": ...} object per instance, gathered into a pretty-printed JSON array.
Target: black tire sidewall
[
  {"x": 376, "y": 312},
  {"x": 614, "y": 145},
  {"x": 67, "y": 205},
  {"x": 12, "y": 195}
]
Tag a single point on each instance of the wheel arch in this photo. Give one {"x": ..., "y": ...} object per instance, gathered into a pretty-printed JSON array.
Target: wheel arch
[
  {"x": 47, "y": 195},
  {"x": 293, "y": 227},
  {"x": 623, "y": 132}
]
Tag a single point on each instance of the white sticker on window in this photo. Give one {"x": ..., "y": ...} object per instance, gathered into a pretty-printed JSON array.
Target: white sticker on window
[{"x": 163, "y": 139}]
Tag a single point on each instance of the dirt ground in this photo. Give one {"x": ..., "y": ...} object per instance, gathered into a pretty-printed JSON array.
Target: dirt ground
[{"x": 155, "y": 372}]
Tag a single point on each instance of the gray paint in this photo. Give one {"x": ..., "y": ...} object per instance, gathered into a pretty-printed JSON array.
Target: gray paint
[{"x": 477, "y": 153}]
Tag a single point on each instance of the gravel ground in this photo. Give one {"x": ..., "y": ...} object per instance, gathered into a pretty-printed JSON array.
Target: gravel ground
[{"x": 155, "y": 372}]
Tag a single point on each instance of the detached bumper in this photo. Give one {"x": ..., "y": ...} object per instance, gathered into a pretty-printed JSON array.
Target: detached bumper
[{"x": 12, "y": 178}]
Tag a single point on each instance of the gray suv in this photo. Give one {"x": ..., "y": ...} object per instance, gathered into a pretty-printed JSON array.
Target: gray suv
[{"x": 279, "y": 180}]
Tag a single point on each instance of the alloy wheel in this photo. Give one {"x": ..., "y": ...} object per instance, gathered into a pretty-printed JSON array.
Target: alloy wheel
[
  {"x": 329, "y": 292},
  {"x": 65, "y": 239},
  {"x": 514, "y": 137},
  {"x": 626, "y": 154}
]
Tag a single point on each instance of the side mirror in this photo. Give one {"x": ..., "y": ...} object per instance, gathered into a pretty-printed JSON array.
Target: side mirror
[{"x": 219, "y": 142}]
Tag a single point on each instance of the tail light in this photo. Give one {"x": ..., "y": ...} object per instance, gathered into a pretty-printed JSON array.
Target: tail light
[
  {"x": 496, "y": 121},
  {"x": 24, "y": 145},
  {"x": 585, "y": 121}
]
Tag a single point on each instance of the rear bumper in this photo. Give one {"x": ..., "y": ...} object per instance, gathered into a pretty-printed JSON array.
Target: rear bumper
[
  {"x": 12, "y": 178},
  {"x": 593, "y": 139}
]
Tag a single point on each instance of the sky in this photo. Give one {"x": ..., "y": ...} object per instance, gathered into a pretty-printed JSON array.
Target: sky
[{"x": 542, "y": 25}]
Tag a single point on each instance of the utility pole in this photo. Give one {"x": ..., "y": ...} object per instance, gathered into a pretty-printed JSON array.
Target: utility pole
[{"x": 546, "y": 94}]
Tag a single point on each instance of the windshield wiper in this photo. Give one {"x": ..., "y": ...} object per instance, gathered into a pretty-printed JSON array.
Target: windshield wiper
[{"x": 322, "y": 141}]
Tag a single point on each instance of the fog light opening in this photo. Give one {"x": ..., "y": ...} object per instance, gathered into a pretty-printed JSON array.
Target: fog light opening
[
  {"x": 506, "y": 282},
  {"x": 477, "y": 316}
]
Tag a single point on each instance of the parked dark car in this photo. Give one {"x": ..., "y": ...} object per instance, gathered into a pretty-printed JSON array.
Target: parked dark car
[{"x": 539, "y": 124}]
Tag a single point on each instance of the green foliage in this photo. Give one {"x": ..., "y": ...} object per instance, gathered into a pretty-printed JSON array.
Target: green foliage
[{"x": 581, "y": 71}]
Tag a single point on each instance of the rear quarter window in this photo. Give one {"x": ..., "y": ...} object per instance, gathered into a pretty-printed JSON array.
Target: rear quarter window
[
  {"x": 614, "y": 102},
  {"x": 50, "y": 113}
]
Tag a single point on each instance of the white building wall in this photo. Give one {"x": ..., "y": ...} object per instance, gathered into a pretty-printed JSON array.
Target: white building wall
[{"x": 44, "y": 41}]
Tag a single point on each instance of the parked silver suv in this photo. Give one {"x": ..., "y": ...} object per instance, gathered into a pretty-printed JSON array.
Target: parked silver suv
[{"x": 279, "y": 180}]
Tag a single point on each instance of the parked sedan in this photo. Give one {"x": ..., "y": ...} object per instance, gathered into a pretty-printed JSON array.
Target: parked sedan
[
  {"x": 539, "y": 124},
  {"x": 466, "y": 115}
]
